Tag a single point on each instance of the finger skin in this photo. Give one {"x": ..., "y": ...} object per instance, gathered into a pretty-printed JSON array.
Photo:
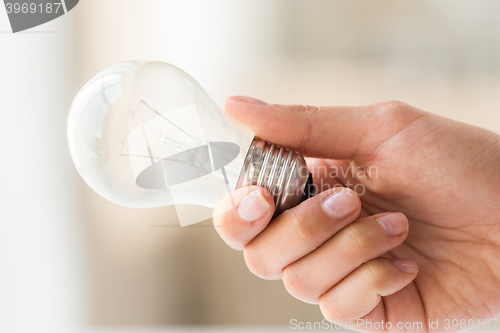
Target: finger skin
[
  {"x": 295, "y": 233},
  {"x": 339, "y": 132},
  {"x": 235, "y": 231},
  {"x": 310, "y": 277},
  {"x": 361, "y": 291}
]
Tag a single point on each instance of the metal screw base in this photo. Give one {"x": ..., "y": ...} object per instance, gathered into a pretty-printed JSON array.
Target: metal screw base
[{"x": 282, "y": 171}]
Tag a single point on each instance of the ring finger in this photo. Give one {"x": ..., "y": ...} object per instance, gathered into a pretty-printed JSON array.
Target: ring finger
[{"x": 365, "y": 239}]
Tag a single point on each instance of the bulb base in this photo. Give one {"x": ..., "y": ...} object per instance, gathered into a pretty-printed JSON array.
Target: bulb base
[{"x": 282, "y": 171}]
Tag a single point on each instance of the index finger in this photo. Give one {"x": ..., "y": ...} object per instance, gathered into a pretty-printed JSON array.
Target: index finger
[{"x": 337, "y": 132}]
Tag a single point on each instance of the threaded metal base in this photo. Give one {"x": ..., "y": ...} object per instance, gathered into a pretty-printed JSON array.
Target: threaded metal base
[{"x": 282, "y": 171}]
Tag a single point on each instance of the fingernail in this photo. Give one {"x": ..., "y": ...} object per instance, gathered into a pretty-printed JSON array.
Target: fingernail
[
  {"x": 340, "y": 204},
  {"x": 247, "y": 99},
  {"x": 253, "y": 207},
  {"x": 406, "y": 266},
  {"x": 393, "y": 223}
]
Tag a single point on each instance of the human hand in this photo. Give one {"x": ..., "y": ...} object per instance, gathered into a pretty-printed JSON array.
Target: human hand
[{"x": 346, "y": 252}]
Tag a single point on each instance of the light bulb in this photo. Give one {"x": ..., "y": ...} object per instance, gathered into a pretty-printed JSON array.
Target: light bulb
[{"x": 145, "y": 134}]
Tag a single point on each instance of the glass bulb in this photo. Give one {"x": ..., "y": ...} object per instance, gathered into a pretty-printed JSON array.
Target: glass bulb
[{"x": 145, "y": 134}]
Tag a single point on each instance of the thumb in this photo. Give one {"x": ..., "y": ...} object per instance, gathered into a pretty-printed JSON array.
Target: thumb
[{"x": 337, "y": 132}]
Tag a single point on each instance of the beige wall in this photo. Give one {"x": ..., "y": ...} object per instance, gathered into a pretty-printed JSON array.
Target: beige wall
[{"x": 42, "y": 243}]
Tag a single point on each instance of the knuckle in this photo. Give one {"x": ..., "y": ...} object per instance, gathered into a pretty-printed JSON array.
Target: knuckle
[
  {"x": 394, "y": 111},
  {"x": 310, "y": 113},
  {"x": 304, "y": 231},
  {"x": 397, "y": 116},
  {"x": 398, "y": 112},
  {"x": 393, "y": 107},
  {"x": 330, "y": 309},
  {"x": 295, "y": 284},
  {"x": 256, "y": 264},
  {"x": 359, "y": 239},
  {"x": 309, "y": 109},
  {"x": 376, "y": 272}
]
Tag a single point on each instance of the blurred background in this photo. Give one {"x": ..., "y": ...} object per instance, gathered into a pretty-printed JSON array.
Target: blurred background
[{"x": 71, "y": 260}]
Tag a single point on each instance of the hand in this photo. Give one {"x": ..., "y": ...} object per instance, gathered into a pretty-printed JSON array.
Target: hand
[{"x": 347, "y": 252}]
